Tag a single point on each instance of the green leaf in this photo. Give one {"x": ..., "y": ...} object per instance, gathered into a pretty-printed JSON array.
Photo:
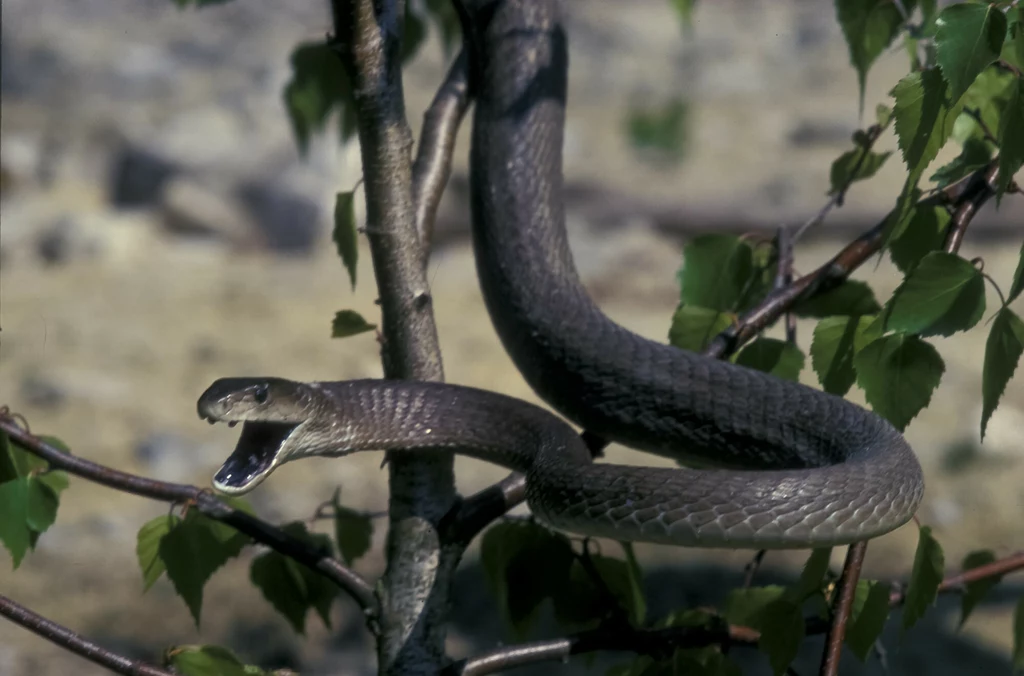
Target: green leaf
[
  {"x": 684, "y": 8},
  {"x": 1018, "y": 279},
  {"x": 192, "y": 552},
  {"x": 883, "y": 115},
  {"x": 849, "y": 298},
  {"x": 147, "y": 547},
  {"x": 869, "y": 27},
  {"x": 987, "y": 97},
  {"x": 770, "y": 355},
  {"x": 318, "y": 88},
  {"x": 638, "y": 602},
  {"x": 7, "y": 469},
  {"x": 924, "y": 578},
  {"x": 345, "y": 236},
  {"x": 582, "y": 599},
  {"x": 509, "y": 554},
  {"x": 746, "y": 606},
  {"x": 716, "y": 269},
  {"x": 1003, "y": 349},
  {"x": 694, "y": 327},
  {"x": 811, "y": 577},
  {"x": 1018, "y": 636},
  {"x": 349, "y": 323},
  {"x": 871, "y": 610},
  {"x": 1011, "y": 138},
  {"x": 975, "y": 155},
  {"x": 42, "y": 505},
  {"x": 924, "y": 120},
  {"x": 834, "y": 346},
  {"x": 206, "y": 660},
  {"x": 14, "y": 529},
  {"x": 232, "y": 540},
  {"x": 855, "y": 165},
  {"x": 294, "y": 589},
  {"x": 782, "y": 632},
  {"x": 661, "y": 129},
  {"x": 968, "y": 38},
  {"x": 898, "y": 374},
  {"x": 942, "y": 295},
  {"x": 975, "y": 591},
  {"x": 923, "y": 231},
  {"x": 352, "y": 531},
  {"x": 1013, "y": 48}
]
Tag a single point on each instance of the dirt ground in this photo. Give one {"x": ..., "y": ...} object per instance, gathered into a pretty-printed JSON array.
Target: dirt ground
[{"x": 109, "y": 350}]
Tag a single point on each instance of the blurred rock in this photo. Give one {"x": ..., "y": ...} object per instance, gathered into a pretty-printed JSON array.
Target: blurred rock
[
  {"x": 289, "y": 223},
  {"x": 40, "y": 392},
  {"x": 172, "y": 457},
  {"x": 64, "y": 241},
  {"x": 138, "y": 176},
  {"x": 192, "y": 208}
]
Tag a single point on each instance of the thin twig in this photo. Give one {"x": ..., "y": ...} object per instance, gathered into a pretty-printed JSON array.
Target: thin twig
[
  {"x": 978, "y": 191},
  {"x": 784, "y": 275},
  {"x": 208, "y": 505},
  {"x": 750, "y": 570},
  {"x": 839, "y": 196},
  {"x": 69, "y": 640},
  {"x": 956, "y": 583},
  {"x": 835, "y": 271},
  {"x": 433, "y": 165},
  {"x": 845, "y": 592},
  {"x": 654, "y": 642},
  {"x": 662, "y": 642}
]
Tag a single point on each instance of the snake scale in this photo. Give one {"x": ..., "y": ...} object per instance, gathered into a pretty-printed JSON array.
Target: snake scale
[{"x": 782, "y": 465}]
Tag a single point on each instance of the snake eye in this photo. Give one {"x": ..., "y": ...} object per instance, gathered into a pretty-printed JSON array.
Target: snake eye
[{"x": 261, "y": 394}]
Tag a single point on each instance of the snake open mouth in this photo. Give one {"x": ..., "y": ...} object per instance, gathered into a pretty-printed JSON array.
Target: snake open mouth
[{"x": 254, "y": 456}]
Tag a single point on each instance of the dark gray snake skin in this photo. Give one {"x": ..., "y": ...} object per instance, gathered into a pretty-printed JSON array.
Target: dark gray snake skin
[{"x": 794, "y": 466}]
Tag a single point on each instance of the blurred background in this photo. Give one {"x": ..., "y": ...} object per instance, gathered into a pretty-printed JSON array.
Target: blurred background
[{"x": 160, "y": 230}]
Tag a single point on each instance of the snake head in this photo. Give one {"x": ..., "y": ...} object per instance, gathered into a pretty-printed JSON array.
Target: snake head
[{"x": 273, "y": 413}]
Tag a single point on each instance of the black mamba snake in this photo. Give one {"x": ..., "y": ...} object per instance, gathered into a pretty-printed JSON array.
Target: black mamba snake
[{"x": 793, "y": 466}]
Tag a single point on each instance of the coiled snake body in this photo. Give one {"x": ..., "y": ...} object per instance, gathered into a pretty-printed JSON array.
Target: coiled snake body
[{"x": 795, "y": 467}]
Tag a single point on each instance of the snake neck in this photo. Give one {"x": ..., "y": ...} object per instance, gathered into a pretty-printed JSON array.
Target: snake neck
[{"x": 376, "y": 415}]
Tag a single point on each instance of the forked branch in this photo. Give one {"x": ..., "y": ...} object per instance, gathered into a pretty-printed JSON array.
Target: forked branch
[{"x": 208, "y": 505}]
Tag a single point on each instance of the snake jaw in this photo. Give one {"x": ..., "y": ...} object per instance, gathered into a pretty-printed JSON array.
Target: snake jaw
[
  {"x": 261, "y": 447},
  {"x": 271, "y": 410}
]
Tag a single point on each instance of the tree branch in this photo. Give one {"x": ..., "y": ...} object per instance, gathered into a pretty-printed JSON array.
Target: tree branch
[
  {"x": 208, "y": 505},
  {"x": 979, "y": 189},
  {"x": 654, "y": 642},
  {"x": 414, "y": 592},
  {"x": 845, "y": 592},
  {"x": 661, "y": 643},
  {"x": 956, "y": 583},
  {"x": 433, "y": 165},
  {"x": 65, "y": 638},
  {"x": 842, "y": 266}
]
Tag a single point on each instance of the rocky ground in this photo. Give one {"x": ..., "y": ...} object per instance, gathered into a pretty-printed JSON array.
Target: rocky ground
[{"x": 160, "y": 231}]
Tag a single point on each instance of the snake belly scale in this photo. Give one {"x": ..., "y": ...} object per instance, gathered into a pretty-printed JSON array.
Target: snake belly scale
[{"x": 792, "y": 466}]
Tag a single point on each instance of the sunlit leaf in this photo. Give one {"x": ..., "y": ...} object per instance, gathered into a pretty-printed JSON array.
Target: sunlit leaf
[
  {"x": 1003, "y": 349},
  {"x": 898, "y": 374}
]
